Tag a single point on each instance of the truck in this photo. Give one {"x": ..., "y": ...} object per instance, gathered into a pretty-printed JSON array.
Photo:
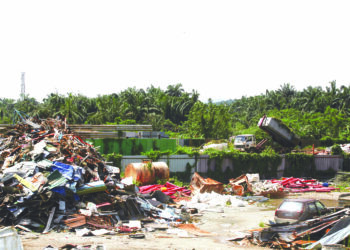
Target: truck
[
  {"x": 278, "y": 131},
  {"x": 245, "y": 142}
]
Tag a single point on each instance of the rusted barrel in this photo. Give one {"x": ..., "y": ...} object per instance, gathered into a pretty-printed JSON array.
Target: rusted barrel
[{"x": 147, "y": 172}]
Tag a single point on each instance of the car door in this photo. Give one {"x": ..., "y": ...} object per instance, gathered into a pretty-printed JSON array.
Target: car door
[{"x": 312, "y": 210}]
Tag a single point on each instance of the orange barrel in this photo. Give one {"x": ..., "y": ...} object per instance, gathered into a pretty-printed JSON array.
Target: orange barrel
[{"x": 147, "y": 172}]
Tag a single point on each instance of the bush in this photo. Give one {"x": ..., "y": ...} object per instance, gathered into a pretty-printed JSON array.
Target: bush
[
  {"x": 336, "y": 150},
  {"x": 116, "y": 159}
]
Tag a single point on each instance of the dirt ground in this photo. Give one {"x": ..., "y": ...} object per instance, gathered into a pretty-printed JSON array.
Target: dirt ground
[{"x": 221, "y": 226}]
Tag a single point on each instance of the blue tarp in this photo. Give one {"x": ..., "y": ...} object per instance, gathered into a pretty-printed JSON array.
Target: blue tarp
[
  {"x": 78, "y": 173},
  {"x": 60, "y": 190},
  {"x": 66, "y": 170}
]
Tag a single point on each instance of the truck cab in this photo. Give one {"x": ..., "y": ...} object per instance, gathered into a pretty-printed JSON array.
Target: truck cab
[{"x": 245, "y": 142}]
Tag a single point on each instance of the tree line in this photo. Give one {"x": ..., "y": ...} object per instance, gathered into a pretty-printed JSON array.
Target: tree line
[{"x": 312, "y": 113}]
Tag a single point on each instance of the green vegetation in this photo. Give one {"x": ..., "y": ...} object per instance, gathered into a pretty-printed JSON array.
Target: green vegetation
[
  {"x": 175, "y": 180},
  {"x": 265, "y": 163},
  {"x": 343, "y": 187},
  {"x": 155, "y": 155},
  {"x": 319, "y": 116},
  {"x": 336, "y": 150},
  {"x": 114, "y": 158},
  {"x": 299, "y": 165},
  {"x": 190, "y": 151}
]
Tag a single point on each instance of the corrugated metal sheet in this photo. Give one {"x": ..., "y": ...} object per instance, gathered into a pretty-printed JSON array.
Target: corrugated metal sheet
[
  {"x": 325, "y": 162},
  {"x": 131, "y": 159},
  {"x": 177, "y": 163},
  {"x": 322, "y": 163},
  {"x": 280, "y": 168},
  {"x": 202, "y": 164}
]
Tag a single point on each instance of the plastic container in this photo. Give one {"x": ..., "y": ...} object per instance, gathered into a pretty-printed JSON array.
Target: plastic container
[
  {"x": 147, "y": 172},
  {"x": 9, "y": 239}
]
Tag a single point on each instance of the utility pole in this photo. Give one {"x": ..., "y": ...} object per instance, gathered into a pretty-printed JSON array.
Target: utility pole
[{"x": 23, "y": 86}]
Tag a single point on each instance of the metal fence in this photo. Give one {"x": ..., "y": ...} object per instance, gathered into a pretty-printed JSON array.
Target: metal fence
[{"x": 178, "y": 163}]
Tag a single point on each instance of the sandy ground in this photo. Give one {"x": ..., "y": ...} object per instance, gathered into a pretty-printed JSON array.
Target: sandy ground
[{"x": 221, "y": 226}]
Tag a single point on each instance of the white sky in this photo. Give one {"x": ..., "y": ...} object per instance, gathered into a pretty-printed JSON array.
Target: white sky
[{"x": 222, "y": 49}]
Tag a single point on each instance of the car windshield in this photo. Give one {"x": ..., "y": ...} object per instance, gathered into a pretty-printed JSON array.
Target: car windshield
[
  {"x": 292, "y": 206},
  {"x": 240, "y": 139}
]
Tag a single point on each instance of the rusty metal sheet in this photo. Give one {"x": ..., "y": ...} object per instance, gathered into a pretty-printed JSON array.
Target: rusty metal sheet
[
  {"x": 241, "y": 185},
  {"x": 199, "y": 184},
  {"x": 76, "y": 221},
  {"x": 100, "y": 222}
]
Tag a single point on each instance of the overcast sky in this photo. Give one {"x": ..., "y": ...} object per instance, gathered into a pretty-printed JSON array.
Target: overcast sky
[{"x": 222, "y": 49}]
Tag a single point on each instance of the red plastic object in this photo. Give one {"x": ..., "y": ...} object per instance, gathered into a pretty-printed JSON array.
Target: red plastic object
[{"x": 168, "y": 189}]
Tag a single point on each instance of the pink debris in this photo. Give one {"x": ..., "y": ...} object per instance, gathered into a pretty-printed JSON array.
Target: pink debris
[
  {"x": 168, "y": 189},
  {"x": 298, "y": 185}
]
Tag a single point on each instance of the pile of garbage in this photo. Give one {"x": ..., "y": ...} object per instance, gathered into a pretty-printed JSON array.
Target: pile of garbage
[
  {"x": 326, "y": 230},
  {"x": 300, "y": 185},
  {"x": 252, "y": 185},
  {"x": 213, "y": 202},
  {"x": 168, "y": 188},
  {"x": 51, "y": 179}
]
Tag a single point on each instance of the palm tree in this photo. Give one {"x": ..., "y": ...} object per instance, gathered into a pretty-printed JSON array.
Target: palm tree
[
  {"x": 332, "y": 95},
  {"x": 344, "y": 105},
  {"x": 70, "y": 110},
  {"x": 286, "y": 92},
  {"x": 174, "y": 90},
  {"x": 6, "y": 110},
  {"x": 133, "y": 100}
]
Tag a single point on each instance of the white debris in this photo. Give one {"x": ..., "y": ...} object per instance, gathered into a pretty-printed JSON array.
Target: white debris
[
  {"x": 345, "y": 148},
  {"x": 212, "y": 201},
  {"x": 265, "y": 186}
]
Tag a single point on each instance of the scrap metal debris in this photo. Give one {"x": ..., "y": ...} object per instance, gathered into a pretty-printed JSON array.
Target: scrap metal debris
[
  {"x": 252, "y": 185},
  {"x": 298, "y": 185},
  {"x": 299, "y": 234},
  {"x": 51, "y": 179},
  {"x": 201, "y": 185}
]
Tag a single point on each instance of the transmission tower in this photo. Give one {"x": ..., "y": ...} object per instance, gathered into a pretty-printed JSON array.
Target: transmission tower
[{"x": 23, "y": 86}]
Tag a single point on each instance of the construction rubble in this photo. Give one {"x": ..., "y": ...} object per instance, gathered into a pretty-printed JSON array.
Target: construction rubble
[
  {"x": 251, "y": 184},
  {"x": 325, "y": 230},
  {"x": 52, "y": 180}
]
